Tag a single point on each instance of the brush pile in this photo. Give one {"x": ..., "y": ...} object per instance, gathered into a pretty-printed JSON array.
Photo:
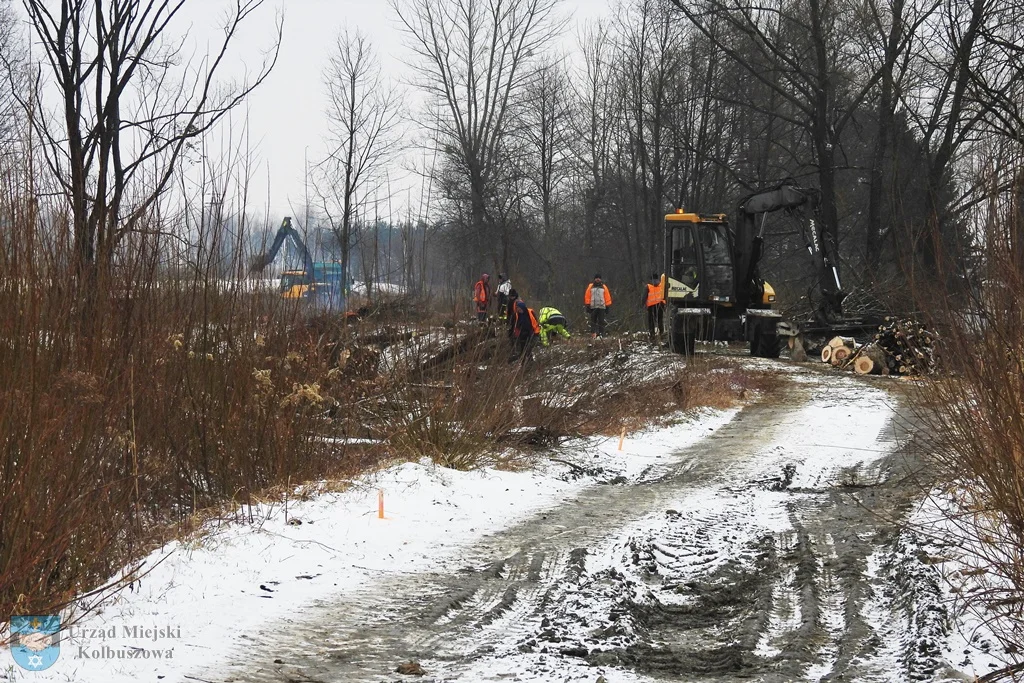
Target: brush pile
[{"x": 901, "y": 346}]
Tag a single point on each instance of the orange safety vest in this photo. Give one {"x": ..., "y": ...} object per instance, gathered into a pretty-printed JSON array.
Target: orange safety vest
[
  {"x": 655, "y": 295},
  {"x": 533, "y": 321},
  {"x": 480, "y": 292},
  {"x": 607, "y": 295}
]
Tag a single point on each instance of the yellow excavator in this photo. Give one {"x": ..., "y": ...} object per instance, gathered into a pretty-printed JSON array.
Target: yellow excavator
[{"x": 713, "y": 287}]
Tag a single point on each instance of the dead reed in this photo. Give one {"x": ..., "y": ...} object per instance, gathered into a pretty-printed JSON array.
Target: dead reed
[{"x": 975, "y": 418}]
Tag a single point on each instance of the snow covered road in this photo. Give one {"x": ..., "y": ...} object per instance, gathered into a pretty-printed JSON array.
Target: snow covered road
[{"x": 744, "y": 556}]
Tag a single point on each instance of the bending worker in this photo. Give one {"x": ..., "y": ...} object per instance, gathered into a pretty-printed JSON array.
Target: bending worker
[
  {"x": 523, "y": 329},
  {"x": 552, "y": 322}
]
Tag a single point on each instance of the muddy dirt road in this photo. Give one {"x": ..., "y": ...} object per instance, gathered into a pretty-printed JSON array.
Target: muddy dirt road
[{"x": 764, "y": 552}]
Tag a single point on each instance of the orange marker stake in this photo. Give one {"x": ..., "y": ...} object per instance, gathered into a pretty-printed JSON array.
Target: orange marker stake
[
  {"x": 622, "y": 438},
  {"x": 380, "y": 504}
]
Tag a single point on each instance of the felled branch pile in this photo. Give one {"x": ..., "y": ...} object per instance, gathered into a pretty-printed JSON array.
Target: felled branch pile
[
  {"x": 909, "y": 346},
  {"x": 479, "y": 340},
  {"x": 901, "y": 346}
]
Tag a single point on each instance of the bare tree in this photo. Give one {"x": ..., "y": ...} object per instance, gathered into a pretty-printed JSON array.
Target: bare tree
[
  {"x": 649, "y": 61},
  {"x": 702, "y": 126},
  {"x": 546, "y": 135},
  {"x": 889, "y": 25},
  {"x": 130, "y": 106},
  {"x": 943, "y": 107},
  {"x": 364, "y": 113},
  {"x": 998, "y": 73},
  {"x": 472, "y": 57},
  {"x": 593, "y": 118},
  {"x": 799, "y": 52},
  {"x": 13, "y": 74}
]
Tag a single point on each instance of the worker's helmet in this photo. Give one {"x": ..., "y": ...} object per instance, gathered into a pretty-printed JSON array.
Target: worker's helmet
[
  {"x": 597, "y": 277},
  {"x": 655, "y": 276},
  {"x": 513, "y": 294},
  {"x": 501, "y": 276},
  {"x": 485, "y": 276}
]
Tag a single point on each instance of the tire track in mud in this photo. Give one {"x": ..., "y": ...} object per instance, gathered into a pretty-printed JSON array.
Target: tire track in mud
[{"x": 720, "y": 569}]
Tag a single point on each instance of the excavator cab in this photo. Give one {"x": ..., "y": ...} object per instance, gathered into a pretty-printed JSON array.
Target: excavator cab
[
  {"x": 684, "y": 265},
  {"x": 716, "y": 253},
  {"x": 700, "y": 267},
  {"x": 703, "y": 291},
  {"x": 294, "y": 284}
]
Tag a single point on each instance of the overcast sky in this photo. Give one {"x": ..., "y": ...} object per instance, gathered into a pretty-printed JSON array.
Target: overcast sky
[{"x": 286, "y": 116}]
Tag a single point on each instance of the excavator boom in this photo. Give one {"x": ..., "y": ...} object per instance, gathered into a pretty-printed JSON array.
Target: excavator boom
[
  {"x": 749, "y": 245},
  {"x": 286, "y": 231},
  {"x": 323, "y": 284}
]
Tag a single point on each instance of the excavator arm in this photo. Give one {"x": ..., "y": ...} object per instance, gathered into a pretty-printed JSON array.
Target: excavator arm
[
  {"x": 286, "y": 231},
  {"x": 752, "y": 216}
]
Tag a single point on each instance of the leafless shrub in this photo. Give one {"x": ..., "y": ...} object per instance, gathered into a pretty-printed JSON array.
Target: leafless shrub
[
  {"x": 193, "y": 391},
  {"x": 571, "y": 390},
  {"x": 975, "y": 419}
]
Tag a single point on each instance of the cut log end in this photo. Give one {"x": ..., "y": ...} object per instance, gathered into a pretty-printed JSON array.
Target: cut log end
[
  {"x": 841, "y": 353},
  {"x": 865, "y": 366},
  {"x": 826, "y": 354}
]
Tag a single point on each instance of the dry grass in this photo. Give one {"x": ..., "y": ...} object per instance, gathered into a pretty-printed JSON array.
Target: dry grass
[
  {"x": 975, "y": 419},
  {"x": 133, "y": 403},
  {"x": 603, "y": 387}
]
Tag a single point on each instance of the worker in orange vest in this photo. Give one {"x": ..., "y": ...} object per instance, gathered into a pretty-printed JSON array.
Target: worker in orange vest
[
  {"x": 654, "y": 301},
  {"x": 523, "y": 328},
  {"x": 482, "y": 296},
  {"x": 597, "y": 299}
]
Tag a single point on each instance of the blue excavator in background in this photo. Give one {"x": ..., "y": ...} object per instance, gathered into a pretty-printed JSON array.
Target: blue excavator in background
[{"x": 321, "y": 283}]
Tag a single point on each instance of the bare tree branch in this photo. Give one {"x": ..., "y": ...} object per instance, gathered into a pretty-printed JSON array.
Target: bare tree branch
[{"x": 128, "y": 110}]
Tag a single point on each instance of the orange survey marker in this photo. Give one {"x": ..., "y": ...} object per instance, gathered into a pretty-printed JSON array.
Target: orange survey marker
[
  {"x": 622, "y": 438},
  {"x": 380, "y": 504}
]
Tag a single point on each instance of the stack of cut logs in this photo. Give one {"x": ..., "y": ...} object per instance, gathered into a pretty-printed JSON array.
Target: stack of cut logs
[{"x": 900, "y": 347}]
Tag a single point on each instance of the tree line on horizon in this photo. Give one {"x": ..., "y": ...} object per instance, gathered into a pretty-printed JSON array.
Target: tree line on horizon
[{"x": 554, "y": 165}]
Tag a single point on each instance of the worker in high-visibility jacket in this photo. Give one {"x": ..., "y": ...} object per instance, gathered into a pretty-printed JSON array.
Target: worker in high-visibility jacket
[
  {"x": 654, "y": 301},
  {"x": 482, "y": 296},
  {"x": 597, "y": 300},
  {"x": 551, "y": 323}
]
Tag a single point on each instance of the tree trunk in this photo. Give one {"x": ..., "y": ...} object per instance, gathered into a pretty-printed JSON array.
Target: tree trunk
[
  {"x": 840, "y": 354},
  {"x": 824, "y": 134},
  {"x": 870, "y": 361},
  {"x": 886, "y": 112}
]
